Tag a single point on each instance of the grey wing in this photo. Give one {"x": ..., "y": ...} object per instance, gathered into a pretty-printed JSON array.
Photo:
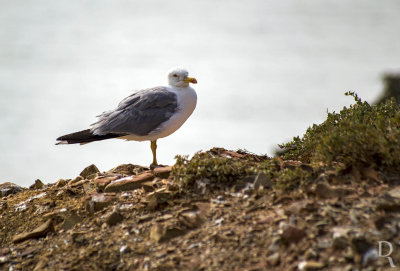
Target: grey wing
[{"x": 139, "y": 113}]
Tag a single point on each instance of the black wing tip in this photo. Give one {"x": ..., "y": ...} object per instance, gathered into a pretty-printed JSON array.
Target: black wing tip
[{"x": 84, "y": 136}]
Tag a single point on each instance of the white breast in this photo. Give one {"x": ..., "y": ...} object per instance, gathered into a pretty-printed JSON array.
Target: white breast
[{"x": 187, "y": 100}]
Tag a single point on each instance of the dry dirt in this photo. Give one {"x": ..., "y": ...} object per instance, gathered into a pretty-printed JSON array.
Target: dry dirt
[{"x": 134, "y": 218}]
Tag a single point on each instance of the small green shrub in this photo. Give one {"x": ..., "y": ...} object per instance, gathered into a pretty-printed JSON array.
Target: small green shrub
[
  {"x": 204, "y": 165},
  {"x": 359, "y": 135}
]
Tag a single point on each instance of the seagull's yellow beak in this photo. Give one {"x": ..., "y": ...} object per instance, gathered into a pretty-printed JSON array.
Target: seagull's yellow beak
[{"x": 190, "y": 80}]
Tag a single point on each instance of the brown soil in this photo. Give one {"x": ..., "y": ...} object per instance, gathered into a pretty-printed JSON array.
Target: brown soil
[{"x": 148, "y": 222}]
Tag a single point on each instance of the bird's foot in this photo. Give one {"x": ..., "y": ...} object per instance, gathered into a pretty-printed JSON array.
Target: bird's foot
[{"x": 153, "y": 166}]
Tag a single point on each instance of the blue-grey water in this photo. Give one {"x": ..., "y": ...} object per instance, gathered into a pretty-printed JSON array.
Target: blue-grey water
[{"x": 266, "y": 70}]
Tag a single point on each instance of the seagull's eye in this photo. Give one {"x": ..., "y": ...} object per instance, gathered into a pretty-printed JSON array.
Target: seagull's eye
[{"x": 175, "y": 75}]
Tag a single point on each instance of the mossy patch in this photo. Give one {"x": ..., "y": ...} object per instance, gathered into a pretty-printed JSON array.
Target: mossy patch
[
  {"x": 207, "y": 166},
  {"x": 361, "y": 135},
  {"x": 227, "y": 171}
]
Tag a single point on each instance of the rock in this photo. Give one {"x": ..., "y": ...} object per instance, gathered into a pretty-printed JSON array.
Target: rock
[
  {"x": 395, "y": 192},
  {"x": 3, "y": 255},
  {"x": 388, "y": 203},
  {"x": 274, "y": 259},
  {"x": 162, "y": 172},
  {"x": 41, "y": 264},
  {"x": 369, "y": 173},
  {"x": 9, "y": 188},
  {"x": 76, "y": 180},
  {"x": 296, "y": 207},
  {"x": 3, "y": 259},
  {"x": 340, "y": 243},
  {"x": 4, "y": 251},
  {"x": 127, "y": 169},
  {"x": 60, "y": 183},
  {"x": 383, "y": 220},
  {"x": 57, "y": 216},
  {"x": 360, "y": 245},
  {"x": 161, "y": 233},
  {"x": 97, "y": 202},
  {"x": 71, "y": 221},
  {"x": 102, "y": 181},
  {"x": 129, "y": 183},
  {"x": 79, "y": 183},
  {"x": 292, "y": 235},
  {"x": 310, "y": 254},
  {"x": 231, "y": 154},
  {"x": 262, "y": 180},
  {"x": 148, "y": 186},
  {"x": 190, "y": 219},
  {"x": 89, "y": 172},
  {"x": 40, "y": 231},
  {"x": 37, "y": 185},
  {"x": 80, "y": 237},
  {"x": 114, "y": 218},
  {"x": 154, "y": 199},
  {"x": 310, "y": 265},
  {"x": 324, "y": 191}
]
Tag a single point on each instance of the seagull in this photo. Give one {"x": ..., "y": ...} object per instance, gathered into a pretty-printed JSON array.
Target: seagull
[{"x": 147, "y": 114}]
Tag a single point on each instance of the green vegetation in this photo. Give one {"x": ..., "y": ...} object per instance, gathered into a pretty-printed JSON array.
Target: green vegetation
[
  {"x": 204, "y": 165},
  {"x": 227, "y": 171},
  {"x": 361, "y": 135}
]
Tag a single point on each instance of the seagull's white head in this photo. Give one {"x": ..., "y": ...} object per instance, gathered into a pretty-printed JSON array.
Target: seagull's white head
[{"x": 180, "y": 78}]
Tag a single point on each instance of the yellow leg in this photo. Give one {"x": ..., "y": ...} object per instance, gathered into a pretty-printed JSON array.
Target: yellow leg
[{"x": 154, "y": 151}]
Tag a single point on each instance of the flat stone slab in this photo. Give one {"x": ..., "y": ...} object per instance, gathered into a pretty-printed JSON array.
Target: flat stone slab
[
  {"x": 102, "y": 182},
  {"x": 162, "y": 172},
  {"x": 40, "y": 231},
  {"x": 129, "y": 183}
]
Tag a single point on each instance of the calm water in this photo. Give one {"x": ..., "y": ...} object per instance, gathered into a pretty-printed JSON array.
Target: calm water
[{"x": 266, "y": 70}]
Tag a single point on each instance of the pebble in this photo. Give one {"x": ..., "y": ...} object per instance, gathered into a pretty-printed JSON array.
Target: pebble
[
  {"x": 114, "y": 218},
  {"x": 160, "y": 233},
  {"x": 310, "y": 265},
  {"x": 292, "y": 235},
  {"x": 324, "y": 191},
  {"x": 97, "y": 202},
  {"x": 3, "y": 259},
  {"x": 273, "y": 259}
]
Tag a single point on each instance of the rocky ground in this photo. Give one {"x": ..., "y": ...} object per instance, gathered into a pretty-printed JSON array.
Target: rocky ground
[{"x": 134, "y": 218}]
